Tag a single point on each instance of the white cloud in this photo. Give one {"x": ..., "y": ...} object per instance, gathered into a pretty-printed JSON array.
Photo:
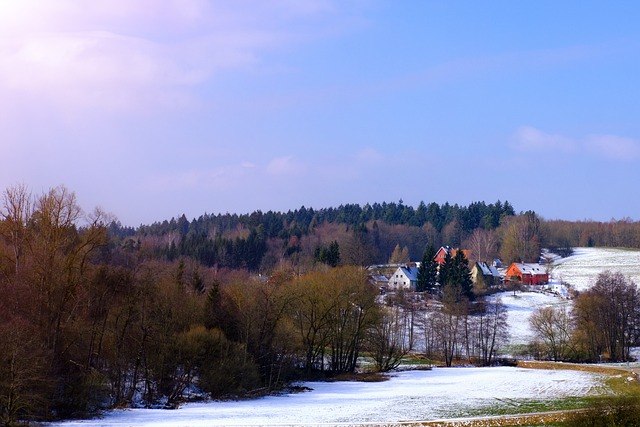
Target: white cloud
[
  {"x": 284, "y": 166},
  {"x": 614, "y": 147},
  {"x": 528, "y": 138},
  {"x": 136, "y": 55}
]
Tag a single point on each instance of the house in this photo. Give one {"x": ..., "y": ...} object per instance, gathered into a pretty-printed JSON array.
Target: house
[
  {"x": 444, "y": 250},
  {"x": 489, "y": 273},
  {"x": 379, "y": 281},
  {"x": 528, "y": 274},
  {"x": 441, "y": 254},
  {"x": 404, "y": 277}
]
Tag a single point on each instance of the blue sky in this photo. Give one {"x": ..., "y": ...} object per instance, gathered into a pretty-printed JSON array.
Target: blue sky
[{"x": 154, "y": 108}]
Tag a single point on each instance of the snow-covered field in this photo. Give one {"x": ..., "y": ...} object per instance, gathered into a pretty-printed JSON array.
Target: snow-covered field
[
  {"x": 582, "y": 268},
  {"x": 408, "y": 396}
]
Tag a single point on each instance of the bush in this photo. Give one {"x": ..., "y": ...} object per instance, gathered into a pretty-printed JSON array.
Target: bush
[{"x": 222, "y": 367}]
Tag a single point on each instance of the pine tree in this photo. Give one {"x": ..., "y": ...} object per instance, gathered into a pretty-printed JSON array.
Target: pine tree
[
  {"x": 455, "y": 273},
  {"x": 445, "y": 271},
  {"x": 462, "y": 274},
  {"x": 333, "y": 254},
  {"x": 428, "y": 271}
]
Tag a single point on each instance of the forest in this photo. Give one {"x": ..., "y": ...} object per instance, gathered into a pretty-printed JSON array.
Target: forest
[{"x": 97, "y": 315}]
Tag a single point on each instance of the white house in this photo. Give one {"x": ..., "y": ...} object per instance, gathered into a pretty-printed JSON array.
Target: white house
[{"x": 404, "y": 278}]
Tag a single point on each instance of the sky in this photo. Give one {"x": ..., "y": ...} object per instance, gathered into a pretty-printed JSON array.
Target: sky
[{"x": 151, "y": 109}]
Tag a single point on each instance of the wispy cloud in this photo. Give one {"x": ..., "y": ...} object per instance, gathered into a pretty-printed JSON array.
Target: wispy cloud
[
  {"x": 613, "y": 147},
  {"x": 284, "y": 166},
  {"x": 528, "y": 138}
]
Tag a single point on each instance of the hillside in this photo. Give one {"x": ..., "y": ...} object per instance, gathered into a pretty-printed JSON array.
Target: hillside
[{"x": 581, "y": 269}]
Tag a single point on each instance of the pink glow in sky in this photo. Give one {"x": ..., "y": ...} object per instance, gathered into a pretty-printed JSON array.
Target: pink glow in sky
[{"x": 154, "y": 108}]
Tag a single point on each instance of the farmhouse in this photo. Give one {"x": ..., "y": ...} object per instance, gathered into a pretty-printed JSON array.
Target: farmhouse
[
  {"x": 528, "y": 274},
  {"x": 444, "y": 250},
  {"x": 379, "y": 281},
  {"x": 405, "y": 277},
  {"x": 489, "y": 274}
]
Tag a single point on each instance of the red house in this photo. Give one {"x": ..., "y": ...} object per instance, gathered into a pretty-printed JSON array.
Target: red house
[
  {"x": 442, "y": 253},
  {"x": 528, "y": 274}
]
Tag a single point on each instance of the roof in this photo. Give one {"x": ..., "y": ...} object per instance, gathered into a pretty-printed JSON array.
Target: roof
[
  {"x": 379, "y": 279},
  {"x": 451, "y": 251},
  {"x": 488, "y": 270},
  {"x": 410, "y": 272},
  {"x": 532, "y": 269}
]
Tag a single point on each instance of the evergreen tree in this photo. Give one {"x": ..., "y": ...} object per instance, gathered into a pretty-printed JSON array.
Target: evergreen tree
[
  {"x": 445, "y": 272},
  {"x": 455, "y": 274},
  {"x": 328, "y": 255},
  {"x": 428, "y": 271},
  {"x": 333, "y": 254},
  {"x": 462, "y": 275}
]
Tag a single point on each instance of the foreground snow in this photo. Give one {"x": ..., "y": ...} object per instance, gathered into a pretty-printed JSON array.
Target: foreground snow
[{"x": 413, "y": 395}]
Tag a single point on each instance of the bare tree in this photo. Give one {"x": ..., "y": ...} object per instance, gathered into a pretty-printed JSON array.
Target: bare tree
[
  {"x": 483, "y": 244},
  {"x": 521, "y": 238},
  {"x": 492, "y": 330},
  {"x": 388, "y": 339},
  {"x": 553, "y": 327},
  {"x": 15, "y": 213}
]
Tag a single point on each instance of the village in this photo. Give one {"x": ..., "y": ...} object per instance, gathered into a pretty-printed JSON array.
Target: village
[{"x": 485, "y": 276}]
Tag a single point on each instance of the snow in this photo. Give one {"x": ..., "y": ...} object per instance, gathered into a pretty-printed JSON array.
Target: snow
[
  {"x": 407, "y": 396},
  {"x": 519, "y": 309},
  {"x": 582, "y": 268}
]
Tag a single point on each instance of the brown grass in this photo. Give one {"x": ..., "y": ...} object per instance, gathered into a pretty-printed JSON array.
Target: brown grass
[{"x": 598, "y": 369}]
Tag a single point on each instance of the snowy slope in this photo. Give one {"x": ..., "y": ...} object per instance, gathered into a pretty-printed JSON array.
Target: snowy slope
[
  {"x": 581, "y": 271},
  {"x": 582, "y": 268}
]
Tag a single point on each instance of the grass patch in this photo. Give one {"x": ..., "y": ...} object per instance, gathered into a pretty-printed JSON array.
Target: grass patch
[
  {"x": 620, "y": 381},
  {"x": 418, "y": 360},
  {"x": 503, "y": 407}
]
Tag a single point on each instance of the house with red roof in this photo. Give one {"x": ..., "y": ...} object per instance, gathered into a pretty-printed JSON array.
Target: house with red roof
[
  {"x": 527, "y": 274},
  {"x": 444, "y": 250}
]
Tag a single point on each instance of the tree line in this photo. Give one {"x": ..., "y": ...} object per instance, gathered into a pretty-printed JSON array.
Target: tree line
[
  {"x": 264, "y": 241},
  {"x": 364, "y": 235}
]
